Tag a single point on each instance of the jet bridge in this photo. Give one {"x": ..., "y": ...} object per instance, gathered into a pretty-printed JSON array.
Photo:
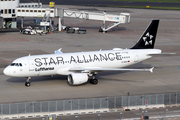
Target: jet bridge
[{"x": 121, "y": 18}]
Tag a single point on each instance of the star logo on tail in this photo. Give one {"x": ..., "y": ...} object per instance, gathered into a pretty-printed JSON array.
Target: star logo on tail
[{"x": 148, "y": 39}]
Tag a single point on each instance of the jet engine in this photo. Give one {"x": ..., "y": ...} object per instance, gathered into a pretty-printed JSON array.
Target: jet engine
[{"x": 77, "y": 78}]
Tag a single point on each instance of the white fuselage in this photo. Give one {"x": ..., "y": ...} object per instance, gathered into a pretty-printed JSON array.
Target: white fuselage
[{"x": 59, "y": 64}]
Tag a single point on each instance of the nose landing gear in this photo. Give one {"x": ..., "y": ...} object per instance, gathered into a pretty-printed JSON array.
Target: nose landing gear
[{"x": 27, "y": 83}]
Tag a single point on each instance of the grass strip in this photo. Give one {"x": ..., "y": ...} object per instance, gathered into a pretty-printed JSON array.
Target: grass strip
[
  {"x": 170, "y": 1},
  {"x": 148, "y": 7}
]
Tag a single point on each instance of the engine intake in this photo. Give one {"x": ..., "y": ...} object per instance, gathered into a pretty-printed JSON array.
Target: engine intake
[{"x": 77, "y": 78}]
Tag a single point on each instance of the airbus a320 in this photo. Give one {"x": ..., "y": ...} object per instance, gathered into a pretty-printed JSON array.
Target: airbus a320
[{"x": 82, "y": 67}]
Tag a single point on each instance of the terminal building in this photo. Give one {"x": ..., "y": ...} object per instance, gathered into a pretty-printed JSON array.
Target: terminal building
[
  {"x": 10, "y": 10},
  {"x": 8, "y": 13}
]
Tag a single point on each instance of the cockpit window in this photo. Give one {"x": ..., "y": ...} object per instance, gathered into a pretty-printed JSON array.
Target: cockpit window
[
  {"x": 12, "y": 64},
  {"x": 16, "y": 64}
]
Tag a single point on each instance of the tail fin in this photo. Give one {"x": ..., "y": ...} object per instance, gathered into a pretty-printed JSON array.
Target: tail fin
[{"x": 147, "y": 40}]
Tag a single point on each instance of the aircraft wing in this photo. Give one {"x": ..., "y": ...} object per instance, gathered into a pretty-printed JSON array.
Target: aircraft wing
[{"x": 107, "y": 69}]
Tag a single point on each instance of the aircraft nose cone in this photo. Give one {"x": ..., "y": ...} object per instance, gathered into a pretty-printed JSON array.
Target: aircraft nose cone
[{"x": 6, "y": 71}]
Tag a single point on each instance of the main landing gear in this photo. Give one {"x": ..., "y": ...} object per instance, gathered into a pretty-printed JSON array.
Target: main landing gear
[
  {"x": 27, "y": 83},
  {"x": 93, "y": 81}
]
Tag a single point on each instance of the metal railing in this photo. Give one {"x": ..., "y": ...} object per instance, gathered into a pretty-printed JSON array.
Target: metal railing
[{"x": 91, "y": 103}]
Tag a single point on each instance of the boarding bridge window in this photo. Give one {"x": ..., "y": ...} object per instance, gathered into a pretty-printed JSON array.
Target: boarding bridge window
[
  {"x": 13, "y": 11},
  {"x": 9, "y": 11},
  {"x": 27, "y": 10},
  {"x": 6, "y": 11},
  {"x": 1, "y": 11}
]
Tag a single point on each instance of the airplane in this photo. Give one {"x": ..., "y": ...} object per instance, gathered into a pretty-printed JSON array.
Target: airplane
[{"x": 82, "y": 67}]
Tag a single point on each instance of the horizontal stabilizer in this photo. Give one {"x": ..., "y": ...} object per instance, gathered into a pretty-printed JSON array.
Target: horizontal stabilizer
[
  {"x": 108, "y": 69},
  {"x": 161, "y": 54}
]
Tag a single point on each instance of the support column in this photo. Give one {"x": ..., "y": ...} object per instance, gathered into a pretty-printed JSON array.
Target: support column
[
  {"x": 22, "y": 22},
  {"x": 104, "y": 21},
  {"x": 60, "y": 24},
  {"x": 4, "y": 23},
  {"x": 50, "y": 23}
]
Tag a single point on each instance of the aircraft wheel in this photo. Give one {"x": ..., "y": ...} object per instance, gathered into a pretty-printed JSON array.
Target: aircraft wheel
[
  {"x": 94, "y": 81},
  {"x": 100, "y": 30},
  {"x": 29, "y": 33},
  {"x": 27, "y": 84}
]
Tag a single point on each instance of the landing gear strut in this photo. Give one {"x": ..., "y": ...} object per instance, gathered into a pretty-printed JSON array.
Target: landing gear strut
[{"x": 27, "y": 83}]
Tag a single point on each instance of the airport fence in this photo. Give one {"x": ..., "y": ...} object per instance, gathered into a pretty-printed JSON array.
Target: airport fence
[{"x": 91, "y": 103}]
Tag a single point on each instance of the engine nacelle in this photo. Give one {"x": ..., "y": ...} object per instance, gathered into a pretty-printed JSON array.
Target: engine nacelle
[{"x": 77, "y": 78}]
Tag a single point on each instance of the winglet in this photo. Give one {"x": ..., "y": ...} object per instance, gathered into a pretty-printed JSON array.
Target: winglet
[
  {"x": 58, "y": 51},
  {"x": 151, "y": 69}
]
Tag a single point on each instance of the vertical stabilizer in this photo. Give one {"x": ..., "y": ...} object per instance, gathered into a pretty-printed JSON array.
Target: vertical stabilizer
[{"x": 148, "y": 38}]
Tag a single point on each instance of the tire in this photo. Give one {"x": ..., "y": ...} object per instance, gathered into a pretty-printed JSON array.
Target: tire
[
  {"x": 27, "y": 84},
  {"x": 100, "y": 30},
  {"x": 94, "y": 81}
]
